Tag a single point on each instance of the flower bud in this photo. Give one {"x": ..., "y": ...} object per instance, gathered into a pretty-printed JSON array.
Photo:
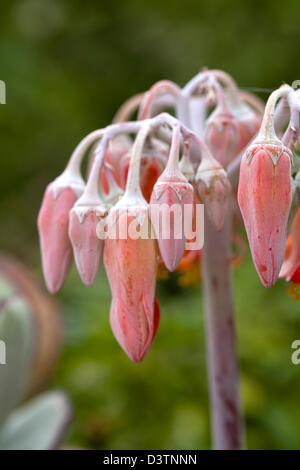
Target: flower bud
[
  {"x": 214, "y": 190},
  {"x": 53, "y": 222},
  {"x": 264, "y": 197},
  {"x": 131, "y": 267},
  {"x": 168, "y": 210},
  {"x": 87, "y": 247}
]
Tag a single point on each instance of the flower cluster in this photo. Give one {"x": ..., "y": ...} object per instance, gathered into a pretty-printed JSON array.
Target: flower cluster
[{"x": 166, "y": 165}]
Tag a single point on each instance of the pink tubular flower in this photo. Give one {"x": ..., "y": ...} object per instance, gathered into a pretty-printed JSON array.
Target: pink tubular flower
[
  {"x": 131, "y": 266},
  {"x": 53, "y": 222},
  {"x": 264, "y": 197},
  {"x": 171, "y": 197},
  {"x": 87, "y": 247},
  {"x": 168, "y": 208}
]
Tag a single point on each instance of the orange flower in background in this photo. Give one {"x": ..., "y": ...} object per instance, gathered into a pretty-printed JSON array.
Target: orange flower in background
[
  {"x": 290, "y": 269},
  {"x": 189, "y": 269}
]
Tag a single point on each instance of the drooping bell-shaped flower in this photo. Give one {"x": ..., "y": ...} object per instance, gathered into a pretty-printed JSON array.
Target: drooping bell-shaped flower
[
  {"x": 53, "y": 223},
  {"x": 130, "y": 259},
  {"x": 171, "y": 207},
  {"x": 213, "y": 189},
  {"x": 88, "y": 212},
  {"x": 131, "y": 267},
  {"x": 264, "y": 197},
  {"x": 87, "y": 247}
]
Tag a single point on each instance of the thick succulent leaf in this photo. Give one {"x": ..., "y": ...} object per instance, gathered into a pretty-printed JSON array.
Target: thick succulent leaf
[
  {"x": 38, "y": 425},
  {"x": 17, "y": 337}
]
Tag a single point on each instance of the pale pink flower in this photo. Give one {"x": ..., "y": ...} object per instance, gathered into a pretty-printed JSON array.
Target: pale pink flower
[
  {"x": 131, "y": 267},
  {"x": 53, "y": 222},
  {"x": 87, "y": 247},
  {"x": 171, "y": 197},
  {"x": 264, "y": 197}
]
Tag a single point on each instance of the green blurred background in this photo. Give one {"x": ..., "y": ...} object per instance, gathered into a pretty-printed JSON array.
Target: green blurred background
[{"x": 68, "y": 65}]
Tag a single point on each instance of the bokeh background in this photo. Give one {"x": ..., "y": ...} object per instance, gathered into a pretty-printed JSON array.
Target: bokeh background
[{"x": 68, "y": 65}]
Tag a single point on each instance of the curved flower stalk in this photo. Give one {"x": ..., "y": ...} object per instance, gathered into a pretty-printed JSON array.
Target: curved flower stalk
[
  {"x": 265, "y": 196},
  {"x": 163, "y": 88}
]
